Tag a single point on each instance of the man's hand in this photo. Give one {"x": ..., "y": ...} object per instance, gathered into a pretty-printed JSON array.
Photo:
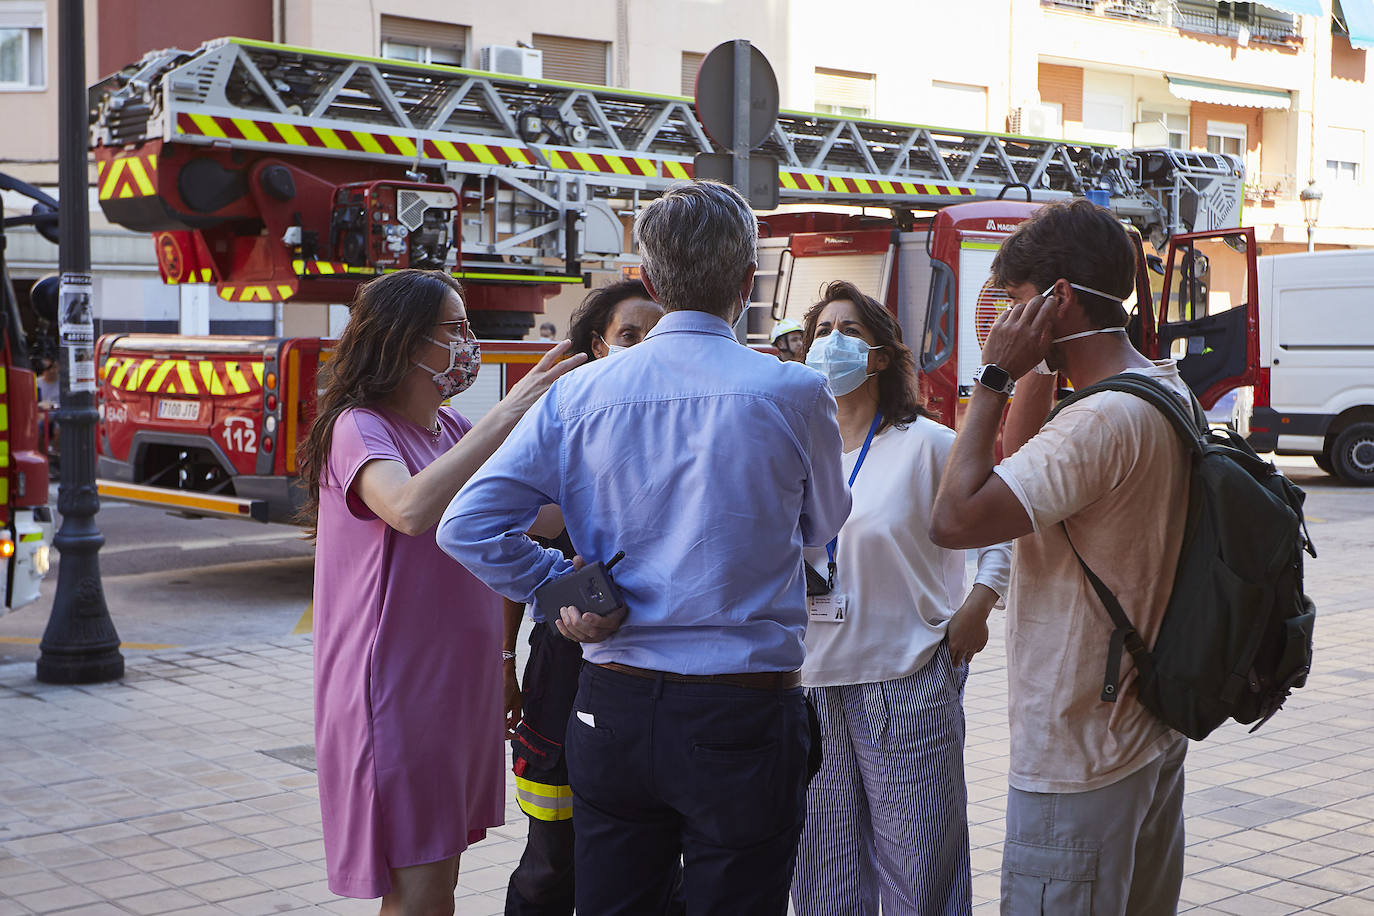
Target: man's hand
[
  {"x": 968, "y": 628},
  {"x": 514, "y": 708},
  {"x": 548, "y": 370},
  {"x": 581, "y": 627},
  {"x": 1020, "y": 337}
]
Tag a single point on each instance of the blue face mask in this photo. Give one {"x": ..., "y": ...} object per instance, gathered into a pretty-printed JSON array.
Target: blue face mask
[{"x": 843, "y": 360}]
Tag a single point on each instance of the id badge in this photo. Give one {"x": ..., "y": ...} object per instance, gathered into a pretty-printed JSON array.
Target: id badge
[{"x": 831, "y": 608}]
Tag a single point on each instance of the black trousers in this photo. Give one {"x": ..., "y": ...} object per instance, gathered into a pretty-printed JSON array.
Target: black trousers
[{"x": 711, "y": 773}]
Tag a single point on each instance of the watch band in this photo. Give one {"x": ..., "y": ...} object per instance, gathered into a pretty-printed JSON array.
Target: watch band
[{"x": 995, "y": 378}]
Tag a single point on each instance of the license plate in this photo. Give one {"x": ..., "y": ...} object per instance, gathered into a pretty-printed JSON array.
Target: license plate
[{"x": 178, "y": 410}]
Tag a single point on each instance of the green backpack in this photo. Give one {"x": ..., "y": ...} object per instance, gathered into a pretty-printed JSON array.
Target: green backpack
[{"x": 1236, "y": 637}]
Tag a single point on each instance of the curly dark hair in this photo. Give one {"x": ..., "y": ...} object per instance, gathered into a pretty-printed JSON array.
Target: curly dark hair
[
  {"x": 594, "y": 315},
  {"x": 387, "y": 322},
  {"x": 1077, "y": 241},
  {"x": 899, "y": 392}
]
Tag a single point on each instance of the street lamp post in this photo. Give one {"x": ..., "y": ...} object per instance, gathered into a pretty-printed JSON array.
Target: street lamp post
[
  {"x": 1311, "y": 197},
  {"x": 80, "y": 645}
]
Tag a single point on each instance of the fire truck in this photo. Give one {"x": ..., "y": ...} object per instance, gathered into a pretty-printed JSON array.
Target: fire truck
[
  {"x": 286, "y": 174},
  {"x": 25, "y": 516}
]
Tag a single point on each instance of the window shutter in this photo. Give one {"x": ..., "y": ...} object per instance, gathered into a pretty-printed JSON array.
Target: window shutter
[
  {"x": 845, "y": 89},
  {"x": 577, "y": 60},
  {"x": 691, "y": 63},
  {"x": 424, "y": 33},
  {"x": 1063, "y": 86},
  {"x": 22, "y": 14}
]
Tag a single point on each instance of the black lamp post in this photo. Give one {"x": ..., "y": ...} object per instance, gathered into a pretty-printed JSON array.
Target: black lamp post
[
  {"x": 80, "y": 645},
  {"x": 1311, "y": 197}
]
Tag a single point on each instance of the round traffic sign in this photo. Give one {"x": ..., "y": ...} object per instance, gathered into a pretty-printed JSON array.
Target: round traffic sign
[{"x": 716, "y": 90}]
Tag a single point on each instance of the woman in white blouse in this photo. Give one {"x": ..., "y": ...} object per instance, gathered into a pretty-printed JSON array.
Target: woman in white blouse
[{"x": 892, "y": 629}]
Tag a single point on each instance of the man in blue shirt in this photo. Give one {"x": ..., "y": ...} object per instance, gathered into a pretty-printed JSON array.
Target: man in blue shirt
[{"x": 710, "y": 465}]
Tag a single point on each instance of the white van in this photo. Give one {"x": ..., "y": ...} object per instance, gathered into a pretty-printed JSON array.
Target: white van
[{"x": 1314, "y": 394}]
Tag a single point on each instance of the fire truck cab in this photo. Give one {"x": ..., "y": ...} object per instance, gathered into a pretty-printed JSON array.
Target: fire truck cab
[{"x": 1197, "y": 304}]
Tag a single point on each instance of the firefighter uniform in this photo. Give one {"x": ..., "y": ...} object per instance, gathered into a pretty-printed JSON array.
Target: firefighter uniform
[{"x": 542, "y": 882}]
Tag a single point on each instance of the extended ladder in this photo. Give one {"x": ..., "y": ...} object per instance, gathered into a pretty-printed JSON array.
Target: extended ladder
[{"x": 533, "y": 151}]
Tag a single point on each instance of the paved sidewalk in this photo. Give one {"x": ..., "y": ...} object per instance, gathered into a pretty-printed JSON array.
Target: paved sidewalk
[{"x": 186, "y": 788}]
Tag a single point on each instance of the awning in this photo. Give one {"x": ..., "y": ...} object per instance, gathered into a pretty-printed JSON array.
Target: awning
[
  {"x": 1359, "y": 22},
  {"x": 1299, "y": 7},
  {"x": 1240, "y": 96}
]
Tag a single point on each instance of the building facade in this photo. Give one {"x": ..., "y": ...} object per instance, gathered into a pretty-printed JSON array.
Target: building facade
[{"x": 1286, "y": 86}]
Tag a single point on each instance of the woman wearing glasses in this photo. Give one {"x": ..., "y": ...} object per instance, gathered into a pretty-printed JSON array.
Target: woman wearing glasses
[
  {"x": 408, "y": 705},
  {"x": 892, "y": 628}
]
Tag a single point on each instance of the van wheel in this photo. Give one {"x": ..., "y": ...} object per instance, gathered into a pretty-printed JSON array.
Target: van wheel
[
  {"x": 1352, "y": 455},
  {"x": 1324, "y": 462}
]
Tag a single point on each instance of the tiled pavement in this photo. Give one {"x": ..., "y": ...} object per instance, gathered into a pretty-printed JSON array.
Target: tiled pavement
[{"x": 162, "y": 794}]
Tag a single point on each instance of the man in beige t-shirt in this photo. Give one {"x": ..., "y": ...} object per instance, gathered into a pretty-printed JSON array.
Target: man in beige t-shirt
[{"x": 1095, "y": 808}]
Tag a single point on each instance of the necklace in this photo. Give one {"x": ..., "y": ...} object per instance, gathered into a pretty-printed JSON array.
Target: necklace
[{"x": 435, "y": 431}]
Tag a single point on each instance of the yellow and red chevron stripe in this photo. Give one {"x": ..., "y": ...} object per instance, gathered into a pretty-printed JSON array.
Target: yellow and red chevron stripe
[
  {"x": 811, "y": 181},
  {"x": 258, "y": 131},
  {"x": 127, "y": 176},
  {"x": 276, "y": 292},
  {"x": 182, "y": 376},
  {"x": 608, "y": 163},
  {"x": 486, "y": 153},
  {"x": 330, "y": 268}
]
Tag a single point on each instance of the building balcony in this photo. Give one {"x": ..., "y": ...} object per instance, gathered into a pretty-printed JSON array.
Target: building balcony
[{"x": 1245, "y": 23}]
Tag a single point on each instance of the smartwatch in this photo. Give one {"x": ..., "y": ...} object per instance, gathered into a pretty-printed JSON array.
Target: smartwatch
[{"x": 994, "y": 377}]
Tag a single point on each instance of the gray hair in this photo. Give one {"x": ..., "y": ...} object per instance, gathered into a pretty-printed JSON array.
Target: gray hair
[{"x": 698, "y": 241}]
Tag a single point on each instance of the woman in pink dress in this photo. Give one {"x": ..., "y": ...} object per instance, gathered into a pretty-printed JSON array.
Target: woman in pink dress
[{"x": 408, "y": 685}]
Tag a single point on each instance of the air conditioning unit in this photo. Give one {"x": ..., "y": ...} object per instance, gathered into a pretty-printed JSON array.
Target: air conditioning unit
[
  {"x": 519, "y": 61},
  {"x": 1036, "y": 121}
]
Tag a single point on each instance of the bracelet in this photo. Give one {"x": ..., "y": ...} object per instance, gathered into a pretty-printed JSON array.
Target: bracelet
[{"x": 507, "y": 655}]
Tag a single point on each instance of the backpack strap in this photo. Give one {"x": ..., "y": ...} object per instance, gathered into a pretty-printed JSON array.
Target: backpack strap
[
  {"x": 1124, "y": 636},
  {"x": 1190, "y": 425}
]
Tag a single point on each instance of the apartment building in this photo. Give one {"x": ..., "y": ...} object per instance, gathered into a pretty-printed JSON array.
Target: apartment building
[{"x": 1286, "y": 85}]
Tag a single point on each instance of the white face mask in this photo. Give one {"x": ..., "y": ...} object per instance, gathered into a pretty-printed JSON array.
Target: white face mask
[
  {"x": 611, "y": 349},
  {"x": 843, "y": 359},
  {"x": 1042, "y": 367}
]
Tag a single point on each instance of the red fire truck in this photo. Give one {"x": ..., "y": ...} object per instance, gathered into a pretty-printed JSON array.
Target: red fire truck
[{"x": 287, "y": 174}]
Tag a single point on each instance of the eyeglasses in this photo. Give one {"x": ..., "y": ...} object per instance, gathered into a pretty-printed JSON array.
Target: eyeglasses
[{"x": 462, "y": 324}]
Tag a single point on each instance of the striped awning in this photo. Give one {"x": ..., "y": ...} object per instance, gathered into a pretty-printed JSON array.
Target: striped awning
[
  {"x": 1358, "y": 17},
  {"x": 1297, "y": 7},
  {"x": 1220, "y": 94}
]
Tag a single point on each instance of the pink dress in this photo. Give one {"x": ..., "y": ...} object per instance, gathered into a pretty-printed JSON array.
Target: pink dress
[{"x": 408, "y": 703}]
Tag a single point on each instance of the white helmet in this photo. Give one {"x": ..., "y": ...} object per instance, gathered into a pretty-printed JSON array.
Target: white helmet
[{"x": 786, "y": 326}]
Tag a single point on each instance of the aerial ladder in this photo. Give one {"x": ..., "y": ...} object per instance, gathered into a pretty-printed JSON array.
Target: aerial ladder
[{"x": 283, "y": 173}]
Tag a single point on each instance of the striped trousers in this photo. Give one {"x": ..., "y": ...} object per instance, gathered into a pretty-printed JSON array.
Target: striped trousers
[{"x": 887, "y": 815}]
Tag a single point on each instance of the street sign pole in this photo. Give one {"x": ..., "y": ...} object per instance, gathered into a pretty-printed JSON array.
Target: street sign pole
[
  {"x": 740, "y": 144},
  {"x": 80, "y": 645}
]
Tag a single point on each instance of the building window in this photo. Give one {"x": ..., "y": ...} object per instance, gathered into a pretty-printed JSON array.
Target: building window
[
  {"x": 22, "y": 61},
  {"x": 1339, "y": 170},
  {"x": 1344, "y": 151},
  {"x": 846, "y": 93},
  {"x": 576, "y": 60},
  {"x": 691, "y": 63},
  {"x": 1175, "y": 124},
  {"x": 1225, "y": 137},
  {"x": 423, "y": 41},
  {"x": 958, "y": 105}
]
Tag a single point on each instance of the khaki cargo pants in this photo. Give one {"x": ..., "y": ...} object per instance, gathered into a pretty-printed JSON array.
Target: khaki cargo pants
[{"x": 1114, "y": 851}]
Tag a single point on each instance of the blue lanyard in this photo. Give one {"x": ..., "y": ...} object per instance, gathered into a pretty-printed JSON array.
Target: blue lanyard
[{"x": 853, "y": 476}]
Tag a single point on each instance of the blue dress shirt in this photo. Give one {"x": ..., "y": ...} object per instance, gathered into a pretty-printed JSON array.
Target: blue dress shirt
[{"x": 708, "y": 463}]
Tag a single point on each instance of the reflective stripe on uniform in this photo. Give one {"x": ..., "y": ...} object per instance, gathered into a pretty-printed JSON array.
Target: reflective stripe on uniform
[{"x": 545, "y": 802}]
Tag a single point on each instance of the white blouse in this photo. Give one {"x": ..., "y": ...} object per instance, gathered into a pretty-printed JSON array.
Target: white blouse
[{"x": 901, "y": 588}]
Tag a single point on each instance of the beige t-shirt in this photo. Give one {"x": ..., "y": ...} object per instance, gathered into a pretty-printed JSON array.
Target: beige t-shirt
[{"x": 1113, "y": 469}]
